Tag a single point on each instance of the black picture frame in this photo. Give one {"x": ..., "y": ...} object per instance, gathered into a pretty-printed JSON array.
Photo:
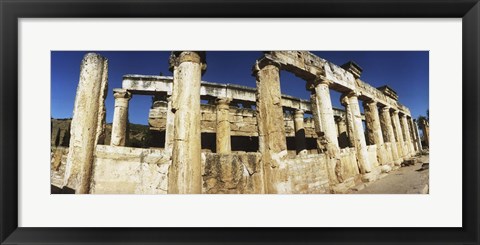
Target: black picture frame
[{"x": 11, "y": 11}]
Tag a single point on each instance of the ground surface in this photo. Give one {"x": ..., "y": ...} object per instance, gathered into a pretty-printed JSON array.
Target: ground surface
[{"x": 406, "y": 180}]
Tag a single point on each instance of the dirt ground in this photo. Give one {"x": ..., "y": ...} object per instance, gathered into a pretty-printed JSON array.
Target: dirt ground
[{"x": 411, "y": 179}]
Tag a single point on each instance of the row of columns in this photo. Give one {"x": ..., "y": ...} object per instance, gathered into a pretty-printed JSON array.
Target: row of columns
[{"x": 183, "y": 132}]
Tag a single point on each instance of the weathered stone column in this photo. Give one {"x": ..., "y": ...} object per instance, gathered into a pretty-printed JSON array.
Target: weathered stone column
[
  {"x": 185, "y": 172},
  {"x": 374, "y": 129},
  {"x": 426, "y": 132},
  {"x": 271, "y": 129},
  {"x": 322, "y": 111},
  {"x": 169, "y": 126},
  {"x": 299, "y": 133},
  {"x": 411, "y": 132},
  {"x": 88, "y": 122},
  {"x": 120, "y": 117},
  {"x": 389, "y": 134},
  {"x": 343, "y": 140},
  {"x": 351, "y": 100},
  {"x": 406, "y": 135},
  {"x": 418, "y": 140},
  {"x": 223, "y": 141},
  {"x": 398, "y": 130},
  {"x": 350, "y": 121}
]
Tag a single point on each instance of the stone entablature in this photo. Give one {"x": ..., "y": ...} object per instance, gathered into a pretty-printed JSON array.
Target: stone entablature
[{"x": 309, "y": 66}]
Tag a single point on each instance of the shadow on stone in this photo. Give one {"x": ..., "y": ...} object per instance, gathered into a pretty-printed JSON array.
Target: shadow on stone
[{"x": 65, "y": 190}]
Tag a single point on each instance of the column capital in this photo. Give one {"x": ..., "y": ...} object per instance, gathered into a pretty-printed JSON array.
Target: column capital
[
  {"x": 119, "y": 93},
  {"x": 344, "y": 99},
  {"x": 318, "y": 80},
  {"x": 262, "y": 63},
  {"x": 223, "y": 101},
  {"x": 386, "y": 108},
  {"x": 339, "y": 119},
  {"x": 178, "y": 57},
  {"x": 299, "y": 113},
  {"x": 370, "y": 102}
]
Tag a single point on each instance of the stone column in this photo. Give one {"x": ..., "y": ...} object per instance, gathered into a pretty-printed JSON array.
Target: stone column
[
  {"x": 374, "y": 129},
  {"x": 398, "y": 130},
  {"x": 343, "y": 140},
  {"x": 389, "y": 134},
  {"x": 120, "y": 117},
  {"x": 349, "y": 119},
  {"x": 411, "y": 131},
  {"x": 169, "y": 126},
  {"x": 406, "y": 135},
  {"x": 271, "y": 129},
  {"x": 426, "y": 132},
  {"x": 351, "y": 102},
  {"x": 322, "y": 111},
  {"x": 299, "y": 133},
  {"x": 185, "y": 172},
  {"x": 88, "y": 122},
  {"x": 223, "y": 141},
  {"x": 417, "y": 134}
]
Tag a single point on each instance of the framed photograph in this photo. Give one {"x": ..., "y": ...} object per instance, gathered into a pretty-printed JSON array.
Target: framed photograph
[{"x": 263, "y": 122}]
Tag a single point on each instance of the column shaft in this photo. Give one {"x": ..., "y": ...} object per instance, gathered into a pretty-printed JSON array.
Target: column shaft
[
  {"x": 299, "y": 133},
  {"x": 185, "y": 173},
  {"x": 223, "y": 140},
  {"x": 389, "y": 134},
  {"x": 120, "y": 117},
  {"x": 406, "y": 136},
  {"x": 169, "y": 126},
  {"x": 351, "y": 102},
  {"x": 374, "y": 130},
  {"x": 413, "y": 137},
  {"x": 88, "y": 122},
  {"x": 417, "y": 134},
  {"x": 271, "y": 130},
  {"x": 343, "y": 140},
  {"x": 398, "y": 131},
  {"x": 323, "y": 112}
]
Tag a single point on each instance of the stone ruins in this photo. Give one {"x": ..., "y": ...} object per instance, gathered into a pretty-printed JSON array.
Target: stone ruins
[{"x": 241, "y": 139}]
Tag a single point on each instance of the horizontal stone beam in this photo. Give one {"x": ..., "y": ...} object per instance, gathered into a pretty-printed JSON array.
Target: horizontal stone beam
[
  {"x": 141, "y": 84},
  {"x": 307, "y": 66}
]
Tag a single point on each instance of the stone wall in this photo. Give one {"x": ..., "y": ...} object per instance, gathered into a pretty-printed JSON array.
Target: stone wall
[
  {"x": 243, "y": 121},
  {"x": 238, "y": 173},
  {"x": 307, "y": 174},
  {"x": 58, "y": 160},
  {"x": 125, "y": 170}
]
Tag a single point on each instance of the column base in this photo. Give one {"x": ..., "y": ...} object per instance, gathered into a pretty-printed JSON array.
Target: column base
[{"x": 398, "y": 162}]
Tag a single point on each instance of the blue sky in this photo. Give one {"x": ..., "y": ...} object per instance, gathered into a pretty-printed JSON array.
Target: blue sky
[{"x": 407, "y": 72}]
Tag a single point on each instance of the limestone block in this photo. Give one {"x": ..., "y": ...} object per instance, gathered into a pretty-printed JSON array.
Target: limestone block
[
  {"x": 235, "y": 173},
  {"x": 125, "y": 170},
  {"x": 208, "y": 116}
]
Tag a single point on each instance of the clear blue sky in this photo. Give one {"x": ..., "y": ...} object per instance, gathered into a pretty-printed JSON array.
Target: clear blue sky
[{"x": 404, "y": 71}]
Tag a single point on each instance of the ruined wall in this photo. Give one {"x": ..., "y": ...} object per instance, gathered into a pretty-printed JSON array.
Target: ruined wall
[
  {"x": 243, "y": 121},
  {"x": 238, "y": 173},
  {"x": 58, "y": 160},
  {"x": 125, "y": 170},
  {"x": 307, "y": 174}
]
